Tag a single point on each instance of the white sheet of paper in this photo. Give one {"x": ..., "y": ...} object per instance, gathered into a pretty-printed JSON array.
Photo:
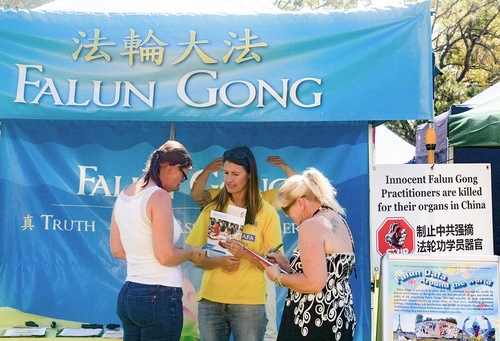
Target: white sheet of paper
[
  {"x": 80, "y": 332},
  {"x": 26, "y": 332}
]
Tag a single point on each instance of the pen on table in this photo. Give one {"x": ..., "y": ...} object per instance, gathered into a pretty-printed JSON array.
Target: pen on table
[{"x": 275, "y": 249}]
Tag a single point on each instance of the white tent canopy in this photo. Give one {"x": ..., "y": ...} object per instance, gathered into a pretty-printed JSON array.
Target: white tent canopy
[
  {"x": 390, "y": 148},
  {"x": 155, "y": 6}
]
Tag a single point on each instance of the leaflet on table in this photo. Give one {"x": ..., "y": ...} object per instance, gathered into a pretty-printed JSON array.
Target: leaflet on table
[
  {"x": 25, "y": 332},
  {"x": 113, "y": 334},
  {"x": 223, "y": 227},
  {"x": 79, "y": 332}
]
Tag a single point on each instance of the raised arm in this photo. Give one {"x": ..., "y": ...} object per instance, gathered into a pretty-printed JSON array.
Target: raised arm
[
  {"x": 487, "y": 331},
  {"x": 278, "y": 162},
  {"x": 198, "y": 192},
  {"x": 464, "y": 327}
]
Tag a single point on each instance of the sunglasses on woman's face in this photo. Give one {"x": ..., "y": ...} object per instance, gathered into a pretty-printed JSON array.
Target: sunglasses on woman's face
[
  {"x": 287, "y": 208},
  {"x": 184, "y": 175}
]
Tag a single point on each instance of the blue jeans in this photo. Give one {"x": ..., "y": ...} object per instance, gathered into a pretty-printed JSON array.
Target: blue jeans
[
  {"x": 247, "y": 322},
  {"x": 150, "y": 312}
]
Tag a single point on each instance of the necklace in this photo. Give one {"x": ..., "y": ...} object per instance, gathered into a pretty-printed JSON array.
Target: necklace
[{"x": 322, "y": 208}]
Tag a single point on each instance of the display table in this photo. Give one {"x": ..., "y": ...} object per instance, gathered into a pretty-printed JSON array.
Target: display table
[{"x": 12, "y": 317}]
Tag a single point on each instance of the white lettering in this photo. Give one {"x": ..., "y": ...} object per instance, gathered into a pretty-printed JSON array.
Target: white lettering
[
  {"x": 83, "y": 179},
  {"x": 101, "y": 184},
  {"x": 48, "y": 88},
  {"x": 248, "y": 97},
  {"x": 22, "y": 82},
  {"x": 280, "y": 99},
  {"x": 225, "y": 99},
  {"x": 289, "y": 228},
  {"x": 72, "y": 94},
  {"x": 87, "y": 180},
  {"x": 295, "y": 99},
  {"x": 66, "y": 225},
  {"x": 49, "y": 85},
  {"x": 130, "y": 88},
  {"x": 97, "y": 94},
  {"x": 182, "y": 85}
]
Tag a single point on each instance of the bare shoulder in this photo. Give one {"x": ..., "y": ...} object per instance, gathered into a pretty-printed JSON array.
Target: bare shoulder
[
  {"x": 314, "y": 227},
  {"x": 160, "y": 199},
  {"x": 131, "y": 189},
  {"x": 337, "y": 235},
  {"x": 330, "y": 221},
  {"x": 336, "y": 223}
]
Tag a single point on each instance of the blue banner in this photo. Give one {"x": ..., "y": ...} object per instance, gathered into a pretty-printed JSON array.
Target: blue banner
[
  {"x": 339, "y": 66},
  {"x": 57, "y": 193}
]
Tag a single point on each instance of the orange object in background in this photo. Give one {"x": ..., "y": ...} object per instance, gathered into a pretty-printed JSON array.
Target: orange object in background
[{"x": 430, "y": 142}]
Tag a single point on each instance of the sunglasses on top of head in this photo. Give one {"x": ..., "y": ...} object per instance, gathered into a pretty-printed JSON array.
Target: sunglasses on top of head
[{"x": 237, "y": 154}]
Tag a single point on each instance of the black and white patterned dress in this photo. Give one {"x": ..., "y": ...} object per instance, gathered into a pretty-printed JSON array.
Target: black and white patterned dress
[{"x": 327, "y": 315}]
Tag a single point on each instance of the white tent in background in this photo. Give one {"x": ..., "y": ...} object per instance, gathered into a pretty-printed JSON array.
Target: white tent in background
[
  {"x": 155, "y": 6},
  {"x": 390, "y": 148}
]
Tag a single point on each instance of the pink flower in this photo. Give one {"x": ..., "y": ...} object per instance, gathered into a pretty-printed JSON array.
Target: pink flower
[{"x": 190, "y": 331}]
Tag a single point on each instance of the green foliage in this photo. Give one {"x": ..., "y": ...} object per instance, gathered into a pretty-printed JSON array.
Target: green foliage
[
  {"x": 315, "y": 5},
  {"x": 22, "y": 4},
  {"x": 466, "y": 40},
  {"x": 466, "y": 43},
  {"x": 407, "y": 130}
]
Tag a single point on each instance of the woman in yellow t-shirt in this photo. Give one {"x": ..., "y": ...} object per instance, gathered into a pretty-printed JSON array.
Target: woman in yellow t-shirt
[{"x": 233, "y": 290}]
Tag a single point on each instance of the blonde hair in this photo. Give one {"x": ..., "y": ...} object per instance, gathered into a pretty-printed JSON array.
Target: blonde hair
[{"x": 312, "y": 185}]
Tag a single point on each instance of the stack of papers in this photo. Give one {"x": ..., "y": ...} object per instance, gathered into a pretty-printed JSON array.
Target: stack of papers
[
  {"x": 25, "y": 332},
  {"x": 79, "y": 332},
  {"x": 113, "y": 334}
]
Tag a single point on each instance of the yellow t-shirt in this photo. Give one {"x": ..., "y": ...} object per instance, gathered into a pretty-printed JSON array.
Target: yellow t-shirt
[
  {"x": 476, "y": 338},
  {"x": 247, "y": 284},
  {"x": 269, "y": 195}
]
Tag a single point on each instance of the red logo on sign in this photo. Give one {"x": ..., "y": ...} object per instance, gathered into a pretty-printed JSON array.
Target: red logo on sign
[{"x": 395, "y": 235}]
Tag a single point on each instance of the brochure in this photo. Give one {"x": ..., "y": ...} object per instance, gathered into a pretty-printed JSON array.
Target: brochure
[
  {"x": 25, "y": 332},
  {"x": 113, "y": 334},
  {"x": 79, "y": 332},
  {"x": 223, "y": 227},
  {"x": 237, "y": 211}
]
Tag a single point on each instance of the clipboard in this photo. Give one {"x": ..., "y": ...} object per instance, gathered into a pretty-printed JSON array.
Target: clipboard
[{"x": 263, "y": 260}]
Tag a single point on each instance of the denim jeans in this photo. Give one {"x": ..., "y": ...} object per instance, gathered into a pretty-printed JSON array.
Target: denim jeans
[
  {"x": 247, "y": 322},
  {"x": 150, "y": 312}
]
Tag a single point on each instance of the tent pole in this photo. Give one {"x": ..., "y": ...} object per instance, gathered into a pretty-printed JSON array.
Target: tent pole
[{"x": 172, "y": 131}]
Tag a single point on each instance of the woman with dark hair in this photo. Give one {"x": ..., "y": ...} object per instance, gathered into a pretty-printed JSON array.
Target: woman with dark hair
[
  {"x": 143, "y": 232},
  {"x": 233, "y": 290}
]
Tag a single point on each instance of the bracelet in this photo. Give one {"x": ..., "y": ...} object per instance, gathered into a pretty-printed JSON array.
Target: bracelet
[{"x": 277, "y": 279}]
